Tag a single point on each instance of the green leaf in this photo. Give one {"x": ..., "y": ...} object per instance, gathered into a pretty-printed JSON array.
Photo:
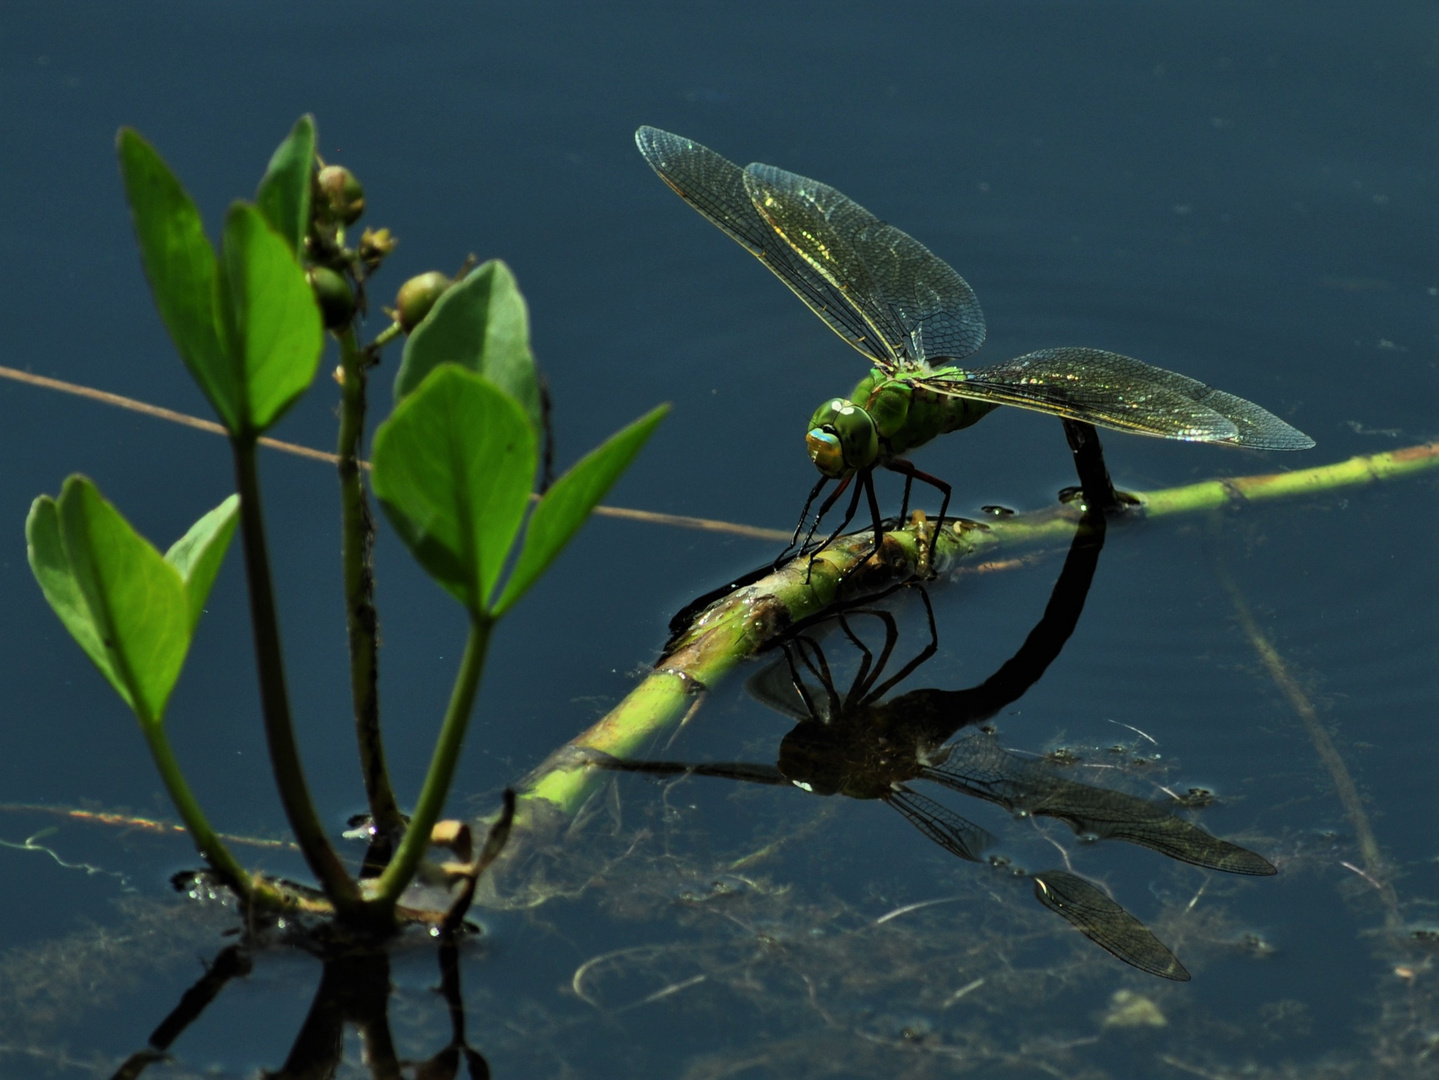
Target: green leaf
[
  {"x": 123, "y": 603},
  {"x": 271, "y": 325},
  {"x": 198, "y": 554},
  {"x": 483, "y": 325},
  {"x": 568, "y": 503},
  {"x": 453, "y": 468},
  {"x": 284, "y": 192},
  {"x": 180, "y": 265},
  {"x": 51, "y": 567}
]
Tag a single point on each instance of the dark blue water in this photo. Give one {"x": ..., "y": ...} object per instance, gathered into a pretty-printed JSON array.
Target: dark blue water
[{"x": 1241, "y": 192}]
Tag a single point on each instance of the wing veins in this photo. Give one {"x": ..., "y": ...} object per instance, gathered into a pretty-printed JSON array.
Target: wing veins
[
  {"x": 1120, "y": 392},
  {"x": 955, "y": 834},
  {"x": 1104, "y": 922},
  {"x": 714, "y": 186}
]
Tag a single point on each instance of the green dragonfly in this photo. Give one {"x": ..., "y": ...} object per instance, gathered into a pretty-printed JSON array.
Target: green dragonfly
[{"x": 912, "y": 316}]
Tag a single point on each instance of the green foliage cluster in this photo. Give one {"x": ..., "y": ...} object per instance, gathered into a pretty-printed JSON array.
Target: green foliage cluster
[{"x": 454, "y": 469}]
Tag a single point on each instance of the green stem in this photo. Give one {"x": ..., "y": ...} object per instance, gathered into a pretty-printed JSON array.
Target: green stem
[
  {"x": 387, "y": 335},
  {"x": 442, "y": 768},
  {"x": 740, "y": 624},
  {"x": 207, "y": 842},
  {"x": 357, "y": 542},
  {"x": 274, "y": 699}
]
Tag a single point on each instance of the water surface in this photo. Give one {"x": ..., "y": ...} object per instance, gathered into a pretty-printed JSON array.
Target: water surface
[{"x": 1242, "y": 194}]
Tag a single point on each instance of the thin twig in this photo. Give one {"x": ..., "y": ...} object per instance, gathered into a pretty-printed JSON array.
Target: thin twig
[{"x": 681, "y": 521}]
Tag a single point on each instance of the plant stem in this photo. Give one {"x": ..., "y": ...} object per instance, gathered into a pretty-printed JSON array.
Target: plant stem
[
  {"x": 211, "y": 848},
  {"x": 274, "y": 699},
  {"x": 387, "y": 335},
  {"x": 442, "y": 768},
  {"x": 357, "y": 544}
]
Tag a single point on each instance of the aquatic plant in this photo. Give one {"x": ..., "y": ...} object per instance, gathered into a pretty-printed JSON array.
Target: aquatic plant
[{"x": 454, "y": 468}]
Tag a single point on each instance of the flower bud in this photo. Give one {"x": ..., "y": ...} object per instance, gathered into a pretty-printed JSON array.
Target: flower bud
[
  {"x": 333, "y": 294},
  {"x": 339, "y": 196},
  {"x": 417, "y": 296},
  {"x": 375, "y": 245}
]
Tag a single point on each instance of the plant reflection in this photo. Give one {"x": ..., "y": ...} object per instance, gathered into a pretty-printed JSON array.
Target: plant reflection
[
  {"x": 859, "y": 743},
  {"x": 354, "y": 990},
  {"x": 355, "y": 982}
]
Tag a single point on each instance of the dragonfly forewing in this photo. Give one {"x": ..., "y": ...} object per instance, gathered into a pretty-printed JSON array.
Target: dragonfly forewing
[
  {"x": 1119, "y": 392},
  {"x": 915, "y": 301},
  {"x": 1104, "y": 922},
  {"x": 715, "y": 187}
]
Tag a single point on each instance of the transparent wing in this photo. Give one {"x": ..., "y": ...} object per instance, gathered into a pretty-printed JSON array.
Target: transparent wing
[
  {"x": 714, "y": 186},
  {"x": 980, "y": 767},
  {"x": 1105, "y": 923},
  {"x": 910, "y": 297},
  {"x": 941, "y": 824},
  {"x": 1120, "y": 392}
]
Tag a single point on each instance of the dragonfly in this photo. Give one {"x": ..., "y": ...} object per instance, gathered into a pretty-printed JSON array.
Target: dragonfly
[{"x": 912, "y": 316}]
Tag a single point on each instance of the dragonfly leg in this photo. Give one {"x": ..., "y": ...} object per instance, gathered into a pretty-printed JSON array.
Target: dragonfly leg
[
  {"x": 825, "y": 509},
  {"x": 1098, "y": 489},
  {"x": 922, "y": 657},
  {"x": 874, "y": 510},
  {"x": 910, "y": 474},
  {"x": 864, "y": 484},
  {"x": 804, "y": 515}
]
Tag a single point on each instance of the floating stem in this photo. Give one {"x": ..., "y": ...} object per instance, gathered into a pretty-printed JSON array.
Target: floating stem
[{"x": 740, "y": 624}]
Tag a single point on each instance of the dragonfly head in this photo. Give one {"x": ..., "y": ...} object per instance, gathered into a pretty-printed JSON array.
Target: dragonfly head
[{"x": 842, "y": 439}]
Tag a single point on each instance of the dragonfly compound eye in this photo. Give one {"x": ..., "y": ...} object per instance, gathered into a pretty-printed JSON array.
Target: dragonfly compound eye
[{"x": 841, "y": 439}]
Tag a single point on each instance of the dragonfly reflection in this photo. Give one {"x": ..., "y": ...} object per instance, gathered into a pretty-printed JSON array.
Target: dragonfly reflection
[{"x": 860, "y": 743}]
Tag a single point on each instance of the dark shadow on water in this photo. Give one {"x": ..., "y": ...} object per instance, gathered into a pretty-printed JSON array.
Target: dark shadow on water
[{"x": 354, "y": 991}]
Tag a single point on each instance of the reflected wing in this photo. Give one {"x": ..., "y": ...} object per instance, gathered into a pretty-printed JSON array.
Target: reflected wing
[
  {"x": 913, "y": 300},
  {"x": 715, "y": 187},
  {"x": 981, "y": 767},
  {"x": 1106, "y": 924},
  {"x": 941, "y": 824},
  {"x": 1113, "y": 815},
  {"x": 1120, "y": 392}
]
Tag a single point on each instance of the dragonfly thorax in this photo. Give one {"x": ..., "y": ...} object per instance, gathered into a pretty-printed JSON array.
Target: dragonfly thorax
[{"x": 842, "y": 439}]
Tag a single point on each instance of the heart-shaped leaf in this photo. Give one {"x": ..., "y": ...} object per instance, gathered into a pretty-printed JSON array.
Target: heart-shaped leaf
[
  {"x": 453, "y": 467},
  {"x": 122, "y": 602},
  {"x": 246, "y": 326}
]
